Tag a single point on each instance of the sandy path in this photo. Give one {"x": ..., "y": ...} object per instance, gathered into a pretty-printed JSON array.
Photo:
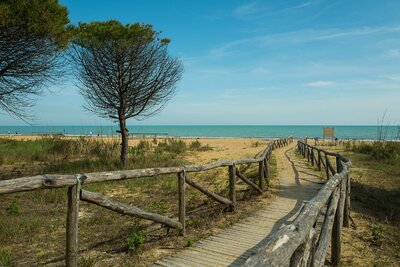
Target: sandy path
[{"x": 233, "y": 245}]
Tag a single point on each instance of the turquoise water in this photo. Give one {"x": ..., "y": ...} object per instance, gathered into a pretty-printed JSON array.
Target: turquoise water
[{"x": 255, "y": 131}]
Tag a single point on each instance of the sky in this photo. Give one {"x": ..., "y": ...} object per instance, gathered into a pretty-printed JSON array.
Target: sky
[{"x": 280, "y": 62}]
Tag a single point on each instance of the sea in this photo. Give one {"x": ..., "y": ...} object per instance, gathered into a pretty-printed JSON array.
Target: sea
[{"x": 367, "y": 132}]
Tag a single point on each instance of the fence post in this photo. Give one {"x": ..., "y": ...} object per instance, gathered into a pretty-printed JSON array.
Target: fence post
[
  {"x": 326, "y": 166},
  {"x": 71, "y": 247},
  {"x": 261, "y": 174},
  {"x": 346, "y": 212},
  {"x": 312, "y": 156},
  {"x": 232, "y": 190},
  {"x": 336, "y": 245},
  {"x": 319, "y": 160},
  {"x": 266, "y": 171},
  {"x": 182, "y": 207}
]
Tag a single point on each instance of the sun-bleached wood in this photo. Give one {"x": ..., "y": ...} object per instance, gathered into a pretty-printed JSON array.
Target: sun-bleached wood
[
  {"x": 248, "y": 181},
  {"x": 126, "y": 209}
]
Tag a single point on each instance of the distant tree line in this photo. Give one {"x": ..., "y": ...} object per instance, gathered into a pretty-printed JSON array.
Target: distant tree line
[{"x": 123, "y": 71}]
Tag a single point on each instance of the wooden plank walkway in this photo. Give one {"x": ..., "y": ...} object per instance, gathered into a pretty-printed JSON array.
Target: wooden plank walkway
[{"x": 233, "y": 245}]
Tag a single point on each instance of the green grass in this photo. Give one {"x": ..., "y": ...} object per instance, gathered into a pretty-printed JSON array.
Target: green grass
[
  {"x": 64, "y": 155},
  {"x": 5, "y": 257},
  {"x": 378, "y": 150}
]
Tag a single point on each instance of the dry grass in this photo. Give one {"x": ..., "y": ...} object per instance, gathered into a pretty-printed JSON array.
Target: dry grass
[
  {"x": 375, "y": 208},
  {"x": 32, "y": 224}
]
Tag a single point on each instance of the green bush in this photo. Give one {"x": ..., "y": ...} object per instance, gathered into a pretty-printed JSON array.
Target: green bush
[
  {"x": 135, "y": 240},
  {"x": 378, "y": 150},
  {"x": 14, "y": 208},
  {"x": 173, "y": 146},
  {"x": 376, "y": 235},
  {"x": 197, "y": 146}
]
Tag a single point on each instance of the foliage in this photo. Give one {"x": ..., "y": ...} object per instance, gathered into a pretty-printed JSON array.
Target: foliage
[
  {"x": 5, "y": 257},
  {"x": 173, "y": 146},
  {"x": 14, "y": 208},
  {"x": 379, "y": 150},
  {"x": 32, "y": 35},
  {"x": 87, "y": 261},
  {"x": 256, "y": 144},
  {"x": 376, "y": 235},
  {"x": 190, "y": 243},
  {"x": 197, "y": 146},
  {"x": 135, "y": 240},
  {"x": 124, "y": 71}
]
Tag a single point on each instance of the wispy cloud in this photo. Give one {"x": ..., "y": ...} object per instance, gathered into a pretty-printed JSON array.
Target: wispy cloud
[
  {"x": 319, "y": 84},
  {"x": 257, "y": 10},
  {"x": 246, "y": 10},
  {"x": 393, "y": 53},
  {"x": 301, "y": 36}
]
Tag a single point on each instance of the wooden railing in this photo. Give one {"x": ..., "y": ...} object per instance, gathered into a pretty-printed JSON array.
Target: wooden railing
[
  {"x": 305, "y": 242},
  {"x": 76, "y": 194}
]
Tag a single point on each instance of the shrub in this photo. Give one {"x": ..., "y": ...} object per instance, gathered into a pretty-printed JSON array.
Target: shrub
[
  {"x": 173, "y": 146},
  {"x": 379, "y": 150},
  {"x": 256, "y": 144},
  {"x": 376, "y": 235},
  {"x": 197, "y": 146},
  {"x": 135, "y": 240},
  {"x": 14, "y": 208}
]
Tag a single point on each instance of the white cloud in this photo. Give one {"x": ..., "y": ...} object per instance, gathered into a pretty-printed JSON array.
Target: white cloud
[
  {"x": 393, "y": 53},
  {"x": 246, "y": 10},
  {"x": 301, "y": 36},
  {"x": 320, "y": 84}
]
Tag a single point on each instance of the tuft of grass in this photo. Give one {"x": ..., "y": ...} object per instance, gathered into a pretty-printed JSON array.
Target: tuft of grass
[
  {"x": 87, "y": 261},
  {"x": 194, "y": 222},
  {"x": 190, "y": 243},
  {"x": 197, "y": 146},
  {"x": 256, "y": 143},
  {"x": 376, "y": 235},
  {"x": 135, "y": 240},
  {"x": 173, "y": 146},
  {"x": 14, "y": 208},
  {"x": 5, "y": 257}
]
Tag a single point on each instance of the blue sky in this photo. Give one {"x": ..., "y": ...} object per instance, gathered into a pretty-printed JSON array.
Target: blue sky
[{"x": 258, "y": 62}]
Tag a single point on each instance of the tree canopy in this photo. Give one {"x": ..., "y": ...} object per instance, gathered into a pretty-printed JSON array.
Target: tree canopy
[
  {"x": 124, "y": 71},
  {"x": 32, "y": 34}
]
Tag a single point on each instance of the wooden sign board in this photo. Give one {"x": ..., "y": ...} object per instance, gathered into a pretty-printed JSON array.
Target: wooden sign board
[{"x": 329, "y": 132}]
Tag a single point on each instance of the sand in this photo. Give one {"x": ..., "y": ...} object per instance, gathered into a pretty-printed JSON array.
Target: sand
[{"x": 222, "y": 148}]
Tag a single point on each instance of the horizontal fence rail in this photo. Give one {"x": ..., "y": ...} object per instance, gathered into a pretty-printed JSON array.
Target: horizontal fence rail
[
  {"x": 75, "y": 194},
  {"x": 304, "y": 242}
]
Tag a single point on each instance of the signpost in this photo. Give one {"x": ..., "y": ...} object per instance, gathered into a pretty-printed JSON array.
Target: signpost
[{"x": 329, "y": 132}]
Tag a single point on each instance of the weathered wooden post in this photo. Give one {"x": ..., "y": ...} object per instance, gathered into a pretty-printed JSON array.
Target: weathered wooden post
[
  {"x": 336, "y": 245},
  {"x": 261, "y": 174},
  {"x": 312, "y": 156},
  {"x": 232, "y": 189},
  {"x": 346, "y": 212},
  {"x": 308, "y": 154},
  {"x": 266, "y": 171},
  {"x": 319, "y": 160},
  {"x": 326, "y": 166},
  {"x": 182, "y": 206},
  {"x": 71, "y": 248}
]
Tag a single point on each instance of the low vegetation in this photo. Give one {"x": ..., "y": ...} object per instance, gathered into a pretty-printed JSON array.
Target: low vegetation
[
  {"x": 32, "y": 224},
  {"x": 379, "y": 150},
  {"x": 374, "y": 239},
  {"x": 67, "y": 155}
]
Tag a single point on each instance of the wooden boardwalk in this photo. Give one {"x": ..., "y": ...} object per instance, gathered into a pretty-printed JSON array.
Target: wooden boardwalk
[{"x": 233, "y": 245}]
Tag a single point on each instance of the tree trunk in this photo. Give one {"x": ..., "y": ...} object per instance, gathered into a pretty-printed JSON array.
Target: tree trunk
[{"x": 124, "y": 140}]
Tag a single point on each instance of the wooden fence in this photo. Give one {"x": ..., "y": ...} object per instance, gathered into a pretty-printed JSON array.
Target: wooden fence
[
  {"x": 76, "y": 194},
  {"x": 305, "y": 242}
]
